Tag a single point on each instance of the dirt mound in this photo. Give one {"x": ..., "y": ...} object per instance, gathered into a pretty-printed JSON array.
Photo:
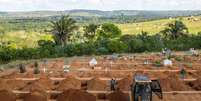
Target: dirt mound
[
  {"x": 11, "y": 84},
  {"x": 196, "y": 85},
  {"x": 118, "y": 96},
  {"x": 96, "y": 84},
  {"x": 69, "y": 83},
  {"x": 44, "y": 83},
  {"x": 7, "y": 96},
  {"x": 6, "y": 75},
  {"x": 4, "y": 85},
  {"x": 36, "y": 96},
  {"x": 75, "y": 95},
  {"x": 124, "y": 84},
  {"x": 56, "y": 64},
  {"x": 172, "y": 83}
]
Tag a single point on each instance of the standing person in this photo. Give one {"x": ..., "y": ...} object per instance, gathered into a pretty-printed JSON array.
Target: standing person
[
  {"x": 36, "y": 68},
  {"x": 113, "y": 85},
  {"x": 22, "y": 68},
  {"x": 183, "y": 73}
]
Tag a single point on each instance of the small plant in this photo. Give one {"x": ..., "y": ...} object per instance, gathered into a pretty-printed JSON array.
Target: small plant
[
  {"x": 157, "y": 63},
  {"x": 36, "y": 68},
  {"x": 179, "y": 59},
  {"x": 190, "y": 65},
  {"x": 22, "y": 68}
]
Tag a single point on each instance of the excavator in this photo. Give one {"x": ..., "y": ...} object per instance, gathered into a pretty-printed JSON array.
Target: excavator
[{"x": 143, "y": 88}]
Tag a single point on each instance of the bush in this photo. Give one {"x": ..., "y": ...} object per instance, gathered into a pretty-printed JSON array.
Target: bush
[
  {"x": 45, "y": 43},
  {"x": 102, "y": 50},
  {"x": 127, "y": 43},
  {"x": 116, "y": 46}
]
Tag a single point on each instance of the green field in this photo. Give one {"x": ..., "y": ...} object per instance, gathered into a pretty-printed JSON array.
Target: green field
[
  {"x": 193, "y": 23},
  {"x": 19, "y": 38}
]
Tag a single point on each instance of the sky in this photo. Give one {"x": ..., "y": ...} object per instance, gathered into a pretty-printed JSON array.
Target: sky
[{"x": 59, "y": 5}]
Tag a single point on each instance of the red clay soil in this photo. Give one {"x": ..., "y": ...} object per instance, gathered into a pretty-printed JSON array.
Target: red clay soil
[
  {"x": 4, "y": 85},
  {"x": 69, "y": 83},
  {"x": 14, "y": 74},
  {"x": 118, "y": 96},
  {"x": 96, "y": 84},
  {"x": 196, "y": 85},
  {"x": 124, "y": 84},
  {"x": 7, "y": 96},
  {"x": 11, "y": 84},
  {"x": 44, "y": 83},
  {"x": 56, "y": 64},
  {"x": 172, "y": 83},
  {"x": 36, "y": 96},
  {"x": 75, "y": 95}
]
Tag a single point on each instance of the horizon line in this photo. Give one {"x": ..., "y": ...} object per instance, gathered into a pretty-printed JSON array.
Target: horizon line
[{"x": 97, "y": 10}]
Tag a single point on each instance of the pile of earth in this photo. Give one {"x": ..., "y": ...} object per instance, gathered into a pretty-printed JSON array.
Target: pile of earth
[
  {"x": 96, "y": 84},
  {"x": 8, "y": 75},
  {"x": 196, "y": 85},
  {"x": 75, "y": 95},
  {"x": 57, "y": 64},
  {"x": 173, "y": 83},
  {"x": 6, "y": 95},
  {"x": 69, "y": 83},
  {"x": 28, "y": 74},
  {"x": 11, "y": 84},
  {"x": 118, "y": 96},
  {"x": 44, "y": 83},
  {"x": 124, "y": 84},
  {"x": 36, "y": 96}
]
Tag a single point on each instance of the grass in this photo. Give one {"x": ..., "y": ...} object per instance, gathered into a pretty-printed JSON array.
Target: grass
[
  {"x": 194, "y": 25},
  {"x": 20, "y": 39}
]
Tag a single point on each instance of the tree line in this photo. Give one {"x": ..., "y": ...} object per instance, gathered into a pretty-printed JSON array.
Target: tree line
[{"x": 101, "y": 39}]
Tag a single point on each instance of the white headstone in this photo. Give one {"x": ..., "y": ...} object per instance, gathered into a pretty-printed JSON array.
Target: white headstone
[
  {"x": 66, "y": 68},
  {"x": 93, "y": 62},
  {"x": 193, "y": 51},
  {"x": 167, "y": 62},
  {"x": 44, "y": 70}
]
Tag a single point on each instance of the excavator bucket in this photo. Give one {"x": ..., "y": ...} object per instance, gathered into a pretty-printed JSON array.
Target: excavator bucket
[{"x": 156, "y": 88}]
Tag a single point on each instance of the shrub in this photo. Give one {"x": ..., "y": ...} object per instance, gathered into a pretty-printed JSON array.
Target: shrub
[
  {"x": 116, "y": 46},
  {"x": 136, "y": 45},
  {"x": 102, "y": 50}
]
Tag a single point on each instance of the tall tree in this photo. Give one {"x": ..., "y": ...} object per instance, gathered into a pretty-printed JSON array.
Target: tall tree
[
  {"x": 90, "y": 31},
  {"x": 175, "y": 30},
  {"x": 63, "y": 28},
  {"x": 109, "y": 30}
]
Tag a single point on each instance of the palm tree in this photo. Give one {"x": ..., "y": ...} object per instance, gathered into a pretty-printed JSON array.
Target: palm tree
[
  {"x": 62, "y": 29},
  {"x": 175, "y": 30}
]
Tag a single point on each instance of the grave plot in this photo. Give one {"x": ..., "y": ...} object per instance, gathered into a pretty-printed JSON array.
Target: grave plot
[{"x": 92, "y": 83}]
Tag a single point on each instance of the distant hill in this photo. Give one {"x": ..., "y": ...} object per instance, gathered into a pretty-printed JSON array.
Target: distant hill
[
  {"x": 3, "y": 13},
  {"x": 99, "y": 13}
]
